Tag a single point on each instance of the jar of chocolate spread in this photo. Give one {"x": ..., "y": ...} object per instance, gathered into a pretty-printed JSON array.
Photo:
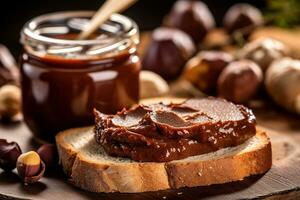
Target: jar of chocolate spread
[{"x": 63, "y": 78}]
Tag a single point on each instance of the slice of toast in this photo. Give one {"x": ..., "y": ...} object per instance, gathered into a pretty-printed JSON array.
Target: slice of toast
[{"x": 90, "y": 168}]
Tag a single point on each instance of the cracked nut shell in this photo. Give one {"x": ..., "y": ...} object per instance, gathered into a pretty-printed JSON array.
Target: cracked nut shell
[
  {"x": 30, "y": 167},
  {"x": 204, "y": 69},
  {"x": 9, "y": 153}
]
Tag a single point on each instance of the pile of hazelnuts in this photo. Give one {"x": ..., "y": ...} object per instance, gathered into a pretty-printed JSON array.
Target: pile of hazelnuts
[
  {"x": 172, "y": 52},
  {"x": 31, "y": 165}
]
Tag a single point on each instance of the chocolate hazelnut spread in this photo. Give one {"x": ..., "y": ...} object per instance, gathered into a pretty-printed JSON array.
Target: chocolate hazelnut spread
[
  {"x": 64, "y": 78},
  {"x": 165, "y": 132}
]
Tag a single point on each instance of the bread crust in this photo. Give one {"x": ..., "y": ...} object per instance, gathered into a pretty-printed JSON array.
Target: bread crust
[{"x": 134, "y": 177}]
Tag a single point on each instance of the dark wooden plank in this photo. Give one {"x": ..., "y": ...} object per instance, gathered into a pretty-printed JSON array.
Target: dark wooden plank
[{"x": 282, "y": 181}]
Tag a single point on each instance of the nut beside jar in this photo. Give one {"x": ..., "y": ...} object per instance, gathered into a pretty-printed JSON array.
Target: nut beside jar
[
  {"x": 152, "y": 85},
  {"x": 167, "y": 52},
  {"x": 10, "y": 101}
]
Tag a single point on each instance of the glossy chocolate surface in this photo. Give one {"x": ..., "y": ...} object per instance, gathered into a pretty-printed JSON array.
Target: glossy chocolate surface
[{"x": 160, "y": 132}]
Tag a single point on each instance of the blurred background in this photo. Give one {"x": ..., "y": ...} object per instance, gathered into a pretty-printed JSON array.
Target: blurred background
[
  {"x": 148, "y": 14},
  {"x": 193, "y": 72}
]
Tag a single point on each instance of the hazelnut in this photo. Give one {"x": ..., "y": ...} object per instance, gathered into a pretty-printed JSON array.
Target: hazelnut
[
  {"x": 48, "y": 154},
  {"x": 152, "y": 85},
  {"x": 183, "y": 88},
  {"x": 9, "y": 153},
  {"x": 192, "y": 17},
  {"x": 263, "y": 51},
  {"x": 283, "y": 83},
  {"x": 167, "y": 53},
  {"x": 239, "y": 81},
  {"x": 10, "y": 101},
  {"x": 30, "y": 167},
  {"x": 242, "y": 18},
  {"x": 9, "y": 72},
  {"x": 204, "y": 69}
]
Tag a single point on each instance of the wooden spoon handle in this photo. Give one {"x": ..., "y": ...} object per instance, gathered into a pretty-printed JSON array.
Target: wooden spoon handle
[{"x": 103, "y": 14}]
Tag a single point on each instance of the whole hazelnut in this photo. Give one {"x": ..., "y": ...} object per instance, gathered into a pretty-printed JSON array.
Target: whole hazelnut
[
  {"x": 9, "y": 153},
  {"x": 239, "y": 81},
  {"x": 152, "y": 85},
  {"x": 10, "y": 100},
  {"x": 30, "y": 167},
  {"x": 192, "y": 17},
  {"x": 48, "y": 154},
  {"x": 242, "y": 18},
  {"x": 283, "y": 83},
  {"x": 263, "y": 51},
  {"x": 9, "y": 72},
  {"x": 204, "y": 69},
  {"x": 167, "y": 53}
]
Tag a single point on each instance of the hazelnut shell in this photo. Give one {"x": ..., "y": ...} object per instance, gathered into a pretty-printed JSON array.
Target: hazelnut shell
[
  {"x": 36, "y": 177},
  {"x": 30, "y": 167},
  {"x": 152, "y": 85},
  {"x": 204, "y": 69},
  {"x": 167, "y": 53},
  {"x": 192, "y": 17},
  {"x": 242, "y": 18},
  {"x": 239, "y": 81},
  {"x": 48, "y": 154},
  {"x": 9, "y": 153},
  {"x": 263, "y": 52},
  {"x": 10, "y": 100},
  {"x": 283, "y": 83}
]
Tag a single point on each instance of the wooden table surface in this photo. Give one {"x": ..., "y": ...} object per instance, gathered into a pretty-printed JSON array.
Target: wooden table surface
[{"x": 282, "y": 181}]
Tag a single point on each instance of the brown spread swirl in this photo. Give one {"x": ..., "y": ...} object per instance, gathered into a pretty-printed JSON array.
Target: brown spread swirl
[{"x": 165, "y": 132}]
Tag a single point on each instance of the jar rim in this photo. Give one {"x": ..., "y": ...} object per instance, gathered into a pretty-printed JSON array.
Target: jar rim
[{"x": 29, "y": 32}]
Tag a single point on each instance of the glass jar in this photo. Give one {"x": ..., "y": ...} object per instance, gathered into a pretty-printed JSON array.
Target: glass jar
[{"x": 63, "y": 79}]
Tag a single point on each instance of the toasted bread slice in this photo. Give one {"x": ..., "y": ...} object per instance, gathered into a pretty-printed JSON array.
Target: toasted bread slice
[{"x": 90, "y": 168}]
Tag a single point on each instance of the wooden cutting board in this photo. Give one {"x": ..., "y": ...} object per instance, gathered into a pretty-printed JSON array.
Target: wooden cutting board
[{"x": 282, "y": 181}]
